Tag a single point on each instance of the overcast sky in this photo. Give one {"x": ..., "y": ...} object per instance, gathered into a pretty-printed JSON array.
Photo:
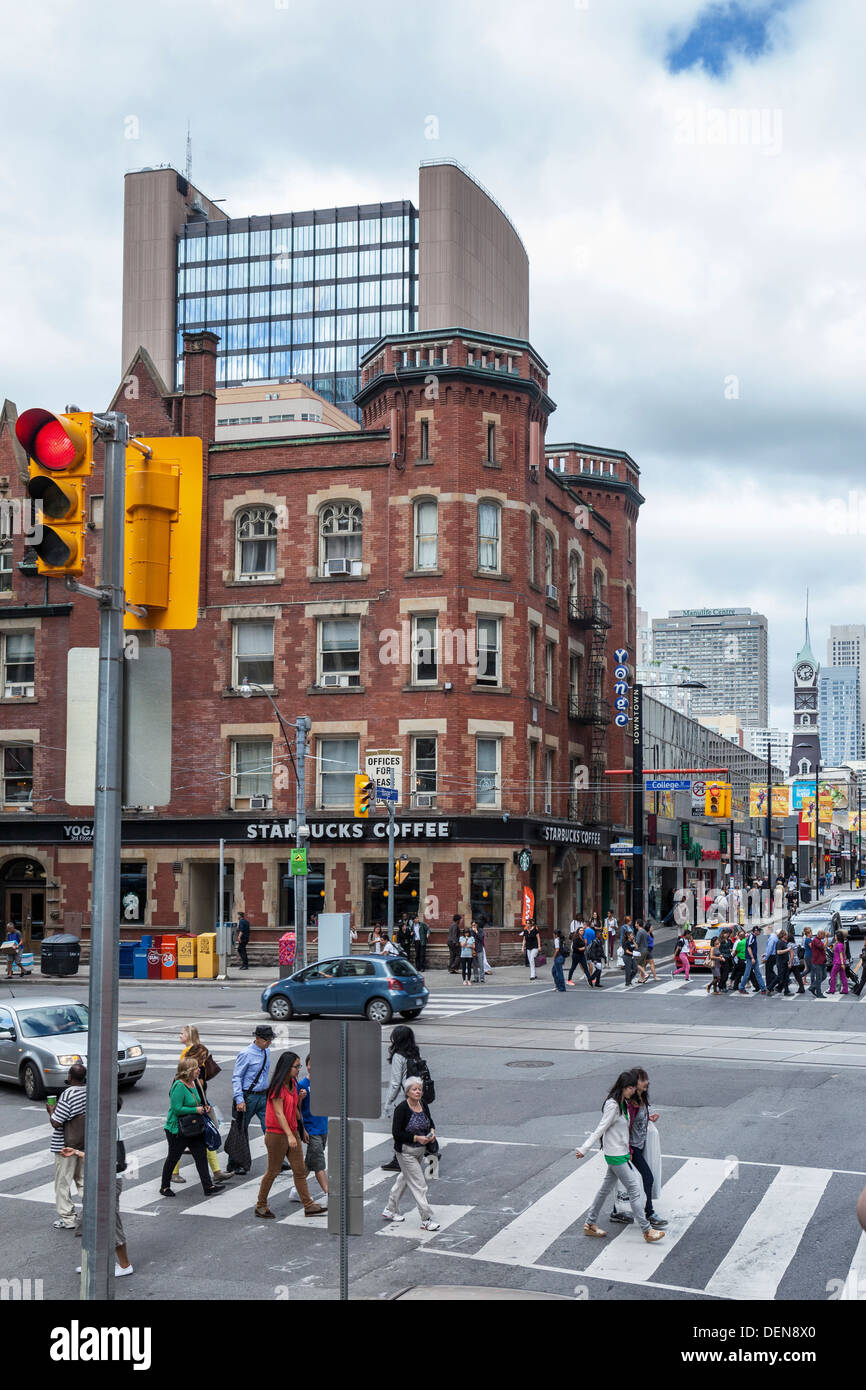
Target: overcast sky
[{"x": 696, "y": 274}]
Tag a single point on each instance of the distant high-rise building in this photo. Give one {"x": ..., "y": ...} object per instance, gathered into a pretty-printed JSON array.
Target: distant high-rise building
[
  {"x": 725, "y": 649},
  {"x": 664, "y": 683},
  {"x": 644, "y": 646},
  {"x": 304, "y": 295},
  {"x": 806, "y": 742},
  {"x": 846, "y": 646},
  {"x": 756, "y": 741},
  {"x": 839, "y": 713}
]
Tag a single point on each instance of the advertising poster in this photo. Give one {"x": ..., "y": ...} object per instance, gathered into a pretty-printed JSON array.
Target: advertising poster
[
  {"x": 758, "y": 799},
  {"x": 528, "y": 906}
]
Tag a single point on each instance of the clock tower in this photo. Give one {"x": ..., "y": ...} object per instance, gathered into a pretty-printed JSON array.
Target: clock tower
[{"x": 806, "y": 744}]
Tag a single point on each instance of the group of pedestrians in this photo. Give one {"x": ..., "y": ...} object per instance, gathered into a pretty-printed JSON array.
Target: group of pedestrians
[
  {"x": 736, "y": 960},
  {"x": 466, "y": 954}
]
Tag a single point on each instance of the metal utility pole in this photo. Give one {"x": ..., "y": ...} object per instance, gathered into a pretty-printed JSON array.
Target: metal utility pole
[
  {"x": 391, "y": 859},
  {"x": 97, "y": 1263},
  {"x": 302, "y": 728},
  {"x": 637, "y": 872},
  {"x": 769, "y": 819}
]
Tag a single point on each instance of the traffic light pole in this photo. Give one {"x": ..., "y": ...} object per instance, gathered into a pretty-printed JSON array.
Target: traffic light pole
[
  {"x": 300, "y": 884},
  {"x": 391, "y": 884},
  {"x": 100, "y": 1168}
]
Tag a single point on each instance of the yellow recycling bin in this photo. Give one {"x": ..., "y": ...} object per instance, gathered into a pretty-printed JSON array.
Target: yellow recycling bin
[
  {"x": 207, "y": 956},
  {"x": 186, "y": 954}
]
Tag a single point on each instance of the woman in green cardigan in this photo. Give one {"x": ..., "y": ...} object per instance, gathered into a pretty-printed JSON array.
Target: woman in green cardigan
[{"x": 183, "y": 1099}]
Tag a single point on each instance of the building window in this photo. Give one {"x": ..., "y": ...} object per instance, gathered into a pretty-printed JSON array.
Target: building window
[
  {"x": 549, "y": 569},
  {"x": 549, "y": 756},
  {"x": 19, "y": 664},
  {"x": 491, "y": 442},
  {"x": 338, "y": 766},
  {"x": 253, "y": 654},
  {"x": 549, "y": 658},
  {"x": 252, "y": 773},
  {"x": 486, "y": 893},
  {"x": 425, "y": 440},
  {"x": 489, "y": 652},
  {"x": 5, "y": 568},
  {"x": 425, "y": 667},
  {"x": 256, "y": 554},
  {"x": 18, "y": 774},
  {"x": 626, "y": 618},
  {"x": 573, "y": 578},
  {"x": 531, "y": 763},
  {"x": 598, "y": 585},
  {"x": 573, "y": 684},
  {"x": 488, "y": 536},
  {"x": 487, "y": 777},
  {"x": 426, "y": 534},
  {"x": 533, "y": 545},
  {"x": 533, "y": 643},
  {"x": 424, "y": 783},
  {"x": 339, "y": 661},
  {"x": 340, "y": 538},
  {"x": 133, "y": 893}
]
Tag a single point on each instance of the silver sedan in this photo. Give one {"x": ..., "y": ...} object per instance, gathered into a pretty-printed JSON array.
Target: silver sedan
[{"x": 41, "y": 1037}]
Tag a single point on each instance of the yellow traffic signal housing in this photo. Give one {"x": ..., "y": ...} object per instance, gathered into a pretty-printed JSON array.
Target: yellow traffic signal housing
[
  {"x": 363, "y": 794},
  {"x": 162, "y": 532},
  {"x": 717, "y": 800},
  {"x": 401, "y": 870},
  {"x": 60, "y": 456}
]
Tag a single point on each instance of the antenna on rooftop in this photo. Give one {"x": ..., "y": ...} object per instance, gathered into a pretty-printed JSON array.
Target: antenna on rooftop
[{"x": 188, "y": 154}]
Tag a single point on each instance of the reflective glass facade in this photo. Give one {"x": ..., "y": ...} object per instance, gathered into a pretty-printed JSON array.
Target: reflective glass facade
[{"x": 299, "y": 295}]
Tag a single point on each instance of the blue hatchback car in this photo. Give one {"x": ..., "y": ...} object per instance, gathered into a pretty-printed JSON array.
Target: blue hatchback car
[{"x": 374, "y": 987}]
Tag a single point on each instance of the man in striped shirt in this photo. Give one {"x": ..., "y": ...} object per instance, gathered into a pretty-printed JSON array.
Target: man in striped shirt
[{"x": 72, "y": 1104}]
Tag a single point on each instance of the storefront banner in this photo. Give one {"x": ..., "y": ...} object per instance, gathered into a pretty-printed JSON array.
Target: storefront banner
[
  {"x": 854, "y": 817},
  {"x": 528, "y": 906},
  {"x": 833, "y": 793},
  {"x": 838, "y": 794},
  {"x": 738, "y": 809},
  {"x": 826, "y": 813}
]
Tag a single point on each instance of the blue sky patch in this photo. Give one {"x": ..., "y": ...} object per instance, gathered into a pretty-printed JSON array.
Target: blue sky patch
[{"x": 721, "y": 33}]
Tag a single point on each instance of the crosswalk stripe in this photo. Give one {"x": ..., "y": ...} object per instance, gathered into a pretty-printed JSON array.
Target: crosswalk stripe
[
  {"x": 685, "y": 1196},
  {"x": 408, "y": 1230},
  {"x": 24, "y": 1136},
  {"x": 525, "y": 1239},
  {"x": 238, "y": 1195},
  {"x": 855, "y": 1281},
  {"x": 28, "y": 1163},
  {"x": 756, "y": 1262}
]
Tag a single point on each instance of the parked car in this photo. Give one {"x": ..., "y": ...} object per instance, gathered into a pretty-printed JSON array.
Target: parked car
[
  {"x": 375, "y": 987},
  {"x": 823, "y": 918},
  {"x": 41, "y": 1037}
]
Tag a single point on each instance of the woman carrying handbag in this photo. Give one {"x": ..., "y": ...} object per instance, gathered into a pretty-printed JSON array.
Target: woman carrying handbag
[{"x": 184, "y": 1128}]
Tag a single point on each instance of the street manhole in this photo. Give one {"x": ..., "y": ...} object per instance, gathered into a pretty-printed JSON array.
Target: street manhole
[{"x": 530, "y": 1062}]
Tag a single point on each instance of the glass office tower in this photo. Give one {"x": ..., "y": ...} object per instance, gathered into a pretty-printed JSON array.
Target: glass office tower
[{"x": 301, "y": 294}]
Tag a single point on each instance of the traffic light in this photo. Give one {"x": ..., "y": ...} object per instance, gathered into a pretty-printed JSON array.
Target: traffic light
[
  {"x": 60, "y": 454},
  {"x": 363, "y": 794},
  {"x": 401, "y": 870},
  {"x": 162, "y": 532},
  {"x": 717, "y": 800}
]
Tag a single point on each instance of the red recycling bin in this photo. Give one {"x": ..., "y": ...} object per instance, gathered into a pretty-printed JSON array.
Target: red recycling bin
[
  {"x": 154, "y": 959},
  {"x": 286, "y": 948},
  {"x": 168, "y": 968}
]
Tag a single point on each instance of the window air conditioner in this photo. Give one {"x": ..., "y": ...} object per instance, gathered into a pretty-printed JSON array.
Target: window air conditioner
[
  {"x": 18, "y": 691},
  {"x": 337, "y": 567},
  {"x": 331, "y": 679},
  {"x": 260, "y": 803},
  {"x": 425, "y": 800},
  {"x": 552, "y": 592}
]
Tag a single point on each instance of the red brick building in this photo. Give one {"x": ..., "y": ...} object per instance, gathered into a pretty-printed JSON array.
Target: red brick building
[{"x": 441, "y": 583}]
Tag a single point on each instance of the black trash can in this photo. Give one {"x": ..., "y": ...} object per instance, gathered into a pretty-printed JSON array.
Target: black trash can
[
  {"x": 60, "y": 955},
  {"x": 805, "y": 892}
]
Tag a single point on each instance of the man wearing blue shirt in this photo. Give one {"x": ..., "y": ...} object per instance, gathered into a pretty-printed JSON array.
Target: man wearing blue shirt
[
  {"x": 317, "y": 1135},
  {"x": 250, "y": 1079},
  {"x": 770, "y": 958}
]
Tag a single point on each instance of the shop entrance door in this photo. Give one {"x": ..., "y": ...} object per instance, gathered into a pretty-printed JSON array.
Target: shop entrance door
[
  {"x": 23, "y": 893},
  {"x": 376, "y": 894}
]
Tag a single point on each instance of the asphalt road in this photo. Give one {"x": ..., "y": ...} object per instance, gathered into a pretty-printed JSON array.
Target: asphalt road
[{"x": 759, "y": 1104}]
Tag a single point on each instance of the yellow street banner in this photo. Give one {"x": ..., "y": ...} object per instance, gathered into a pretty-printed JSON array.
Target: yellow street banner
[
  {"x": 758, "y": 799},
  {"x": 738, "y": 809},
  {"x": 807, "y": 811},
  {"x": 853, "y": 817}
]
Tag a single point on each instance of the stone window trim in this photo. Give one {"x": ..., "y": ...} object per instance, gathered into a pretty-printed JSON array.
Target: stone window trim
[
  {"x": 256, "y": 497},
  {"x": 230, "y": 582}
]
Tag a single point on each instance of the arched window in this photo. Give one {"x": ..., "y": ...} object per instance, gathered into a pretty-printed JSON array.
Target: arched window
[
  {"x": 340, "y": 538},
  {"x": 489, "y": 529},
  {"x": 598, "y": 585},
  {"x": 256, "y": 543},
  {"x": 426, "y": 534},
  {"x": 573, "y": 576}
]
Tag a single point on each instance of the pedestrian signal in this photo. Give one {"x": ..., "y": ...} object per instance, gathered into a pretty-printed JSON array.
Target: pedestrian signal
[{"x": 401, "y": 870}]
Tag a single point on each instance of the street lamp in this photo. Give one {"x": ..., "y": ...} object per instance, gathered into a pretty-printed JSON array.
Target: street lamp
[
  {"x": 302, "y": 831},
  {"x": 638, "y": 880}
]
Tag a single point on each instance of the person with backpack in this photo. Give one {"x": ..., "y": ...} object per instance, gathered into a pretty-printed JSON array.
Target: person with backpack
[
  {"x": 752, "y": 967},
  {"x": 595, "y": 959},
  {"x": 578, "y": 951},
  {"x": 405, "y": 1060},
  {"x": 613, "y": 1132},
  {"x": 639, "y": 1135},
  {"x": 681, "y": 953}
]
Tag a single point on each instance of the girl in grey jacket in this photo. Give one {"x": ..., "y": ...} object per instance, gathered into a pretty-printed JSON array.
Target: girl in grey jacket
[{"x": 612, "y": 1130}]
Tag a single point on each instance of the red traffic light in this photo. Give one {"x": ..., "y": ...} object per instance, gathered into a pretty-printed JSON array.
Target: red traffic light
[{"x": 55, "y": 443}]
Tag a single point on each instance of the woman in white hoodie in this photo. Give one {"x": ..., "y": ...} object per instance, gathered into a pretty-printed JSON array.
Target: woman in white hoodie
[{"x": 613, "y": 1133}]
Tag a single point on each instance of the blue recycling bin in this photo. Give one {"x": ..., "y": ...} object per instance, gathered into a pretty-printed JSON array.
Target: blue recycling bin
[
  {"x": 139, "y": 963},
  {"x": 126, "y": 969},
  {"x": 146, "y": 941}
]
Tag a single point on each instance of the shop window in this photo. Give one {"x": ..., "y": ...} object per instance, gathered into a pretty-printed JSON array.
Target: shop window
[
  {"x": 315, "y": 894},
  {"x": 133, "y": 893},
  {"x": 486, "y": 896}
]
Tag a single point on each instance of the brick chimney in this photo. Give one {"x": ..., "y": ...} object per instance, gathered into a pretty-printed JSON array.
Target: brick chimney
[{"x": 198, "y": 413}]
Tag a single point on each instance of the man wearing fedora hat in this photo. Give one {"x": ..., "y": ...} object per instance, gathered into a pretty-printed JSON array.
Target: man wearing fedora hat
[{"x": 250, "y": 1079}]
